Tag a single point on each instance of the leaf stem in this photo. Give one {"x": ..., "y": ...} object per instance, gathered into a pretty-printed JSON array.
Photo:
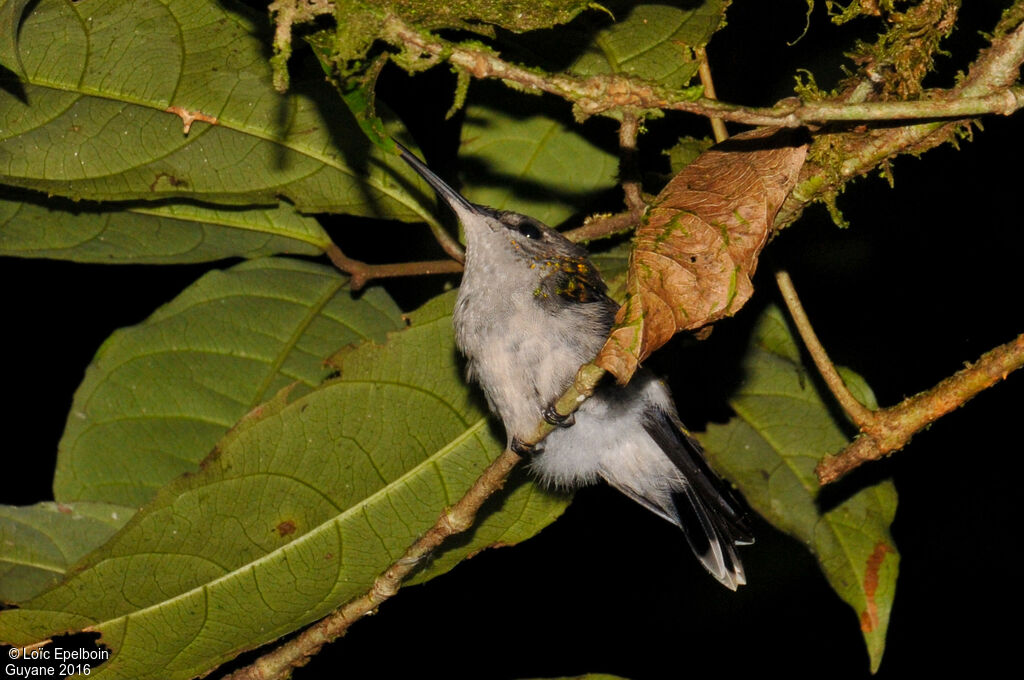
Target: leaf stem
[{"x": 629, "y": 170}]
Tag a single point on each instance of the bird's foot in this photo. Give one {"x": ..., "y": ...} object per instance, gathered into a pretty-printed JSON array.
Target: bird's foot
[
  {"x": 523, "y": 449},
  {"x": 555, "y": 418}
]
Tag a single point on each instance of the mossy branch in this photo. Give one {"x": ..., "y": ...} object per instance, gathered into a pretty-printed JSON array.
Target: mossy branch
[
  {"x": 990, "y": 87},
  {"x": 605, "y": 94},
  {"x": 993, "y": 75}
]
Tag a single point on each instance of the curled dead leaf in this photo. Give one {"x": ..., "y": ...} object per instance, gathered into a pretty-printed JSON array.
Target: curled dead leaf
[{"x": 695, "y": 254}]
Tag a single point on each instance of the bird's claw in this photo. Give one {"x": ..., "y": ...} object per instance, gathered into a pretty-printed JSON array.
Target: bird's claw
[
  {"x": 523, "y": 449},
  {"x": 552, "y": 416}
]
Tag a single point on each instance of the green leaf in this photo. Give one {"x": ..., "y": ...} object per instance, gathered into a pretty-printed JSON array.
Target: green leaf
[
  {"x": 109, "y": 87},
  {"x": 686, "y": 151},
  {"x": 10, "y": 16},
  {"x": 613, "y": 263},
  {"x": 770, "y": 449},
  {"x": 303, "y": 506},
  {"x": 153, "y": 234},
  {"x": 531, "y": 164},
  {"x": 653, "y": 42},
  {"x": 41, "y": 541},
  {"x": 159, "y": 395}
]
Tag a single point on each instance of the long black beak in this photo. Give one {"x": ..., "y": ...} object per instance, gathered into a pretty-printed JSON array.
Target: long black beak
[{"x": 454, "y": 199}]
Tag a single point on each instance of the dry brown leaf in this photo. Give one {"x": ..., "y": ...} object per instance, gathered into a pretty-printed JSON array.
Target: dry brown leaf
[{"x": 694, "y": 256}]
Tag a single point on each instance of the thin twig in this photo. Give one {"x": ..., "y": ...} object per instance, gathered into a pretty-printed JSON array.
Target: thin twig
[
  {"x": 602, "y": 226},
  {"x": 362, "y": 273},
  {"x": 704, "y": 71},
  {"x": 279, "y": 662},
  {"x": 862, "y": 416},
  {"x": 892, "y": 427},
  {"x": 609, "y": 225},
  {"x": 629, "y": 171}
]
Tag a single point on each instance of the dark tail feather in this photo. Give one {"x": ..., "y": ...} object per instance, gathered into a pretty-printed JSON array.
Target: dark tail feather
[
  {"x": 708, "y": 511},
  {"x": 709, "y": 538}
]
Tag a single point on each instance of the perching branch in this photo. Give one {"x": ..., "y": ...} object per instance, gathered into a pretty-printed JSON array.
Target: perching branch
[{"x": 280, "y": 662}]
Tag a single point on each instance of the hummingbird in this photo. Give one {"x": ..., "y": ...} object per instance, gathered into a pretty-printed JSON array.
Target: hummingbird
[{"x": 532, "y": 309}]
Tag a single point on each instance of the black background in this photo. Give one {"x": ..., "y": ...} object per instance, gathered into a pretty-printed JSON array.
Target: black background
[{"x": 926, "y": 278}]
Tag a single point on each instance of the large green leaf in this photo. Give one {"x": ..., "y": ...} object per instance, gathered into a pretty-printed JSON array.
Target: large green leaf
[
  {"x": 10, "y": 16},
  {"x": 531, "y": 164},
  {"x": 154, "y": 234},
  {"x": 159, "y": 395},
  {"x": 109, "y": 85},
  {"x": 653, "y": 42},
  {"x": 782, "y": 428},
  {"x": 303, "y": 506},
  {"x": 39, "y": 542}
]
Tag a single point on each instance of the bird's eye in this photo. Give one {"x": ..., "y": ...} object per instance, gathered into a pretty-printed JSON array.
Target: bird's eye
[{"x": 529, "y": 231}]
